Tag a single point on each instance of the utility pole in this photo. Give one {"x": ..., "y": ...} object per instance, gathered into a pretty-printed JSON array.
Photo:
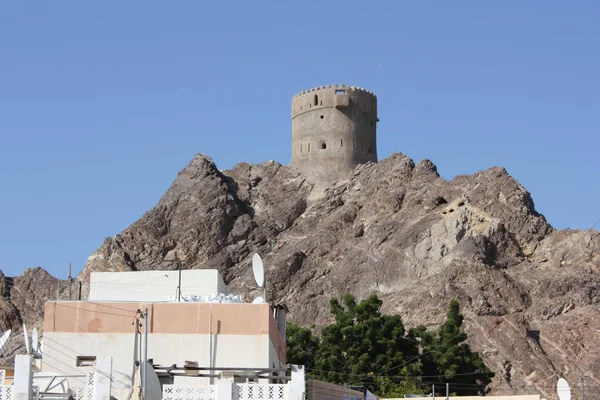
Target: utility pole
[
  {"x": 144, "y": 362},
  {"x": 145, "y": 352},
  {"x": 447, "y": 391}
]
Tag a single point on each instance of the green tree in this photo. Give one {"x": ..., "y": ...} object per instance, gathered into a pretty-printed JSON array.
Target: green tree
[
  {"x": 364, "y": 347},
  {"x": 396, "y": 387},
  {"x": 302, "y": 345},
  {"x": 362, "y": 344},
  {"x": 447, "y": 358}
]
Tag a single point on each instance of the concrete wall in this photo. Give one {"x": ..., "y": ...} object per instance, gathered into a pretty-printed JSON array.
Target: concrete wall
[
  {"x": 214, "y": 335},
  {"x": 335, "y": 134},
  {"x": 319, "y": 390},
  {"x": 62, "y": 349},
  {"x": 153, "y": 285}
]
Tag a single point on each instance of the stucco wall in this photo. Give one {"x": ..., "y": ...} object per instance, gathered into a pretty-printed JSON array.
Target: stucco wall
[
  {"x": 153, "y": 285},
  {"x": 61, "y": 350},
  {"x": 214, "y": 335},
  {"x": 328, "y": 141}
]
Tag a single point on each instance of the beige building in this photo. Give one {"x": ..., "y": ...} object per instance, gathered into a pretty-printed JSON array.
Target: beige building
[{"x": 212, "y": 335}]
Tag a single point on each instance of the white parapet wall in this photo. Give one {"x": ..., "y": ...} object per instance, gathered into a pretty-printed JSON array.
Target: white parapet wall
[{"x": 150, "y": 286}]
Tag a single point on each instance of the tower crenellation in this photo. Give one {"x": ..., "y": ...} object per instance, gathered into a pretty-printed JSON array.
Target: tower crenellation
[{"x": 333, "y": 130}]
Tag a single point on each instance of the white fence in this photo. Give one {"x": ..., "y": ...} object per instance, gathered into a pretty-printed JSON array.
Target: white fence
[
  {"x": 241, "y": 391},
  {"x": 250, "y": 391},
  {"x": 182, "y": 392}
]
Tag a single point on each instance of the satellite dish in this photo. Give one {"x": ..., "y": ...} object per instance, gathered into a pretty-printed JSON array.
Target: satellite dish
[
  {"x": 154, "y": 390},
  {"x": 563, "y": 389},
  {"x": 258, "y": 300},
  {"x": 258, "y": 270},
  {"x": 26, "y": 338},
  {"x": 35, "y": 345},
  {"x": 4, "y": 339}
]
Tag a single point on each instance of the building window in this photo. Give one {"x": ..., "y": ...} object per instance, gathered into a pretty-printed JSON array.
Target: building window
[
  {"x": 322, "y": 116},
  {"x": 85, "y": 361},
  {"x": 323, "y": 146},
  {"x": 316, "y": 100},
  {"x": 341, "y": 142},
  {"x": 309, "y": 148}
]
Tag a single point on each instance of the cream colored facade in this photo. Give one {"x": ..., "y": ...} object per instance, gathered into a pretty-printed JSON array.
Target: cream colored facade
[
  {"x": 154, "y": 285},
  {"x": 215, "y": 335}
]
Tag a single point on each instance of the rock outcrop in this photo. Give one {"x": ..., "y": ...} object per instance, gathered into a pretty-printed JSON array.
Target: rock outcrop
[{"x": 530, "y": 293}]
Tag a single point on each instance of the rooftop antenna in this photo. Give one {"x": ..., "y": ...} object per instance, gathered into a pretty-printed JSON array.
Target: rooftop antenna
[
  {"x": 179, "y": 284},
  {"x": 70, "y": 282},
  {"x": 259, "y": 277},
  {"x": 35, "y": 345},
  {"x": 26, "y": 338},
  {"x": 563, "y": 389}
]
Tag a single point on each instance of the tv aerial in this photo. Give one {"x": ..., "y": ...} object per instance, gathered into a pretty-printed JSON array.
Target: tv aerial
[
  {"x": 563, "y": 389},
  {"x": 259, "y": 277},
  {"x": 26, "y": 338},
  {"x": 35, "y": 343}
]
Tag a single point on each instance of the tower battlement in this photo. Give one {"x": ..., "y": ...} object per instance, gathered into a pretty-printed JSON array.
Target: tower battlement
[{"x": 333, "y": 130}]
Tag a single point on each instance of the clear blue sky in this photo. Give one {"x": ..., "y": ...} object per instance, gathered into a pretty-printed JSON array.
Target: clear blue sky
[{"x": 103, "y": 102}]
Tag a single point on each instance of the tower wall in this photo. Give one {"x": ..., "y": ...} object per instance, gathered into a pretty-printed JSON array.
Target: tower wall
[{"x": 333, "y": 130}]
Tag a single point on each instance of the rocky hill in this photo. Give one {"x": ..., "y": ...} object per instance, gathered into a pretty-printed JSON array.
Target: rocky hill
[{"x": 530, "y": 293}]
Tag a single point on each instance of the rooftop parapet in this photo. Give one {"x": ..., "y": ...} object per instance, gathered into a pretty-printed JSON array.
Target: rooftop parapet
[{"x": 336, "y": 87}]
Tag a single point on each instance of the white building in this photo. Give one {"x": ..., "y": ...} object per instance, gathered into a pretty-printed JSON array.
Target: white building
[{"x": 216, "y": 336}]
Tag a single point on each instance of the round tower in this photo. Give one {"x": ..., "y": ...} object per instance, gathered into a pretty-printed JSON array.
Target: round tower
[{"x": 333, "y": 130}]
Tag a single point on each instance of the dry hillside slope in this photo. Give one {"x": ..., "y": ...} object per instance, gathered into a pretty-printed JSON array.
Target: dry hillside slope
[{"x": 530, "y": 293}]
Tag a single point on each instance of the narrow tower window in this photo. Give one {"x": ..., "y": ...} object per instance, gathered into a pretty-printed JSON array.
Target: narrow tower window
[
  {"x": 323, "y": 146},
  {"x": 316, "y": 100},
  {"x": 309, "y": 148},
  {"x": 341, "y": 142}
]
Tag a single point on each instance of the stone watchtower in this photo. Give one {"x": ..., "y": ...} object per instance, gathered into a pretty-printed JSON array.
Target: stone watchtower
[{"x": 333, "y": 130}]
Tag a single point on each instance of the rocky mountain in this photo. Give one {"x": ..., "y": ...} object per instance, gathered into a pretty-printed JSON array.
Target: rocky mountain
[
  {"x": 22, "y": 301},
  {"x": 530, "y": 293}
]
